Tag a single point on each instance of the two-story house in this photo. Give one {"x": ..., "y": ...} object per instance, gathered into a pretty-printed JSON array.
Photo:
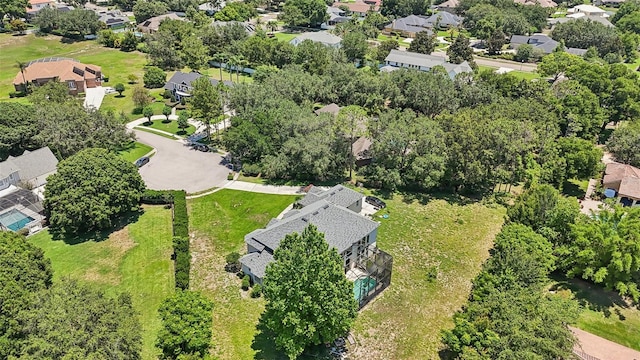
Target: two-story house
[
  {"x": 32, "y": 168},
  {"x": 336, "y": 214},
  {"x": 180, "y": 84},
  {"x": 74, "y": 74}
]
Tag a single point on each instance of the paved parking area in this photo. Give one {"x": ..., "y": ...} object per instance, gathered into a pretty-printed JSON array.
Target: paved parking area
[
  {"x": 94, "y": 96},
  {"x": 176, "y": 166}
]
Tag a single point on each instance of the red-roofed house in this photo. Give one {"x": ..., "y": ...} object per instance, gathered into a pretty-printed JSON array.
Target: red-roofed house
[
  {"x": 76, "y": 75},
  {"x": 625, "y": 180},
  {"x": 37, "y": 5},
  {"x": 359, "y": 7}
]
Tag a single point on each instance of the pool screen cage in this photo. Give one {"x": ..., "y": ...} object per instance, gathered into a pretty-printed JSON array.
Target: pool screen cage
[
  {"x": 27, "y": 203},
  {"x": 376, "y": 275}
]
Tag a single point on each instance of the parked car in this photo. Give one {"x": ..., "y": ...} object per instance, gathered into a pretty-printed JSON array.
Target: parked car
[
  {"x": 375, "y": 202},
  {"x": 142, "y": 161}
]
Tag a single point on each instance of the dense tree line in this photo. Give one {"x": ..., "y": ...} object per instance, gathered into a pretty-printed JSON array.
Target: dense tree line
[
  {"x": 508, "y": 314},
  {"x": 58, "y": 121},
  {"x": 75, "y": 23},
  {"x": 40, "y": 319},
  {"x": 469, "y": 133}
]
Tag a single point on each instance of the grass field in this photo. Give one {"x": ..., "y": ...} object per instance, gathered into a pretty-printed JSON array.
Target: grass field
[
  {"x": 117, "y": 65},
  {"x": 286, "y": 36},
  {"x": 604, "y": 313},
  {"x": 405, "y": 321},
  {"x": 135, "y": 151},
  {"x": 135, "y": 259},
  {"x": 171, "y": 127},
  {"x": 219, "y": 222},
  {"x": 152, "y": 131}
]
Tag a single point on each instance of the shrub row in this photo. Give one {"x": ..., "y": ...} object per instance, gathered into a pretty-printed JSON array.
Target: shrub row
[
  {"x": 180, "y": 216},
  {"x": 182, "y": 259},
  {"x": 156, "y": 197},
  {"x": 181, "y": 254}
]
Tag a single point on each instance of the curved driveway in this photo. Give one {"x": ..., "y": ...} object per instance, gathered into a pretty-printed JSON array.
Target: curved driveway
[{"x": 176, "y": 166}]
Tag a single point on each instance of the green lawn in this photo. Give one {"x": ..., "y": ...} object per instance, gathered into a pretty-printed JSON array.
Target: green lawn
[
  {"x": 405, "y": 321},
  {"x": 286, "y": 36},
  {"x": 117, "y": 65},
  {"x": 171, "y": 127},
  {"x": 604, "y": 313},
  {"x": 149, "y": 130},
  {"x": 400, "y": 40},
  {"x": 226, "y": 76},
  {"x": 517, "y": 73},
  {"x": 135, "y": 151},
  {"x": 135, "y": 259},
  {"x": 219, "y": 222}
]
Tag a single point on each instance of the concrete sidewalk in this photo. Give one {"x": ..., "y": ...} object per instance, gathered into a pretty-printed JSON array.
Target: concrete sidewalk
[
  {"x": 264, "y": 189},
  {"x": 599, "y": 348}
]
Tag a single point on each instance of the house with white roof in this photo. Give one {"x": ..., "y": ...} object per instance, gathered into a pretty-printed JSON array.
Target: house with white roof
[
  {"x": 583, "y": 10},
  {"x": 422, "y": 62},
  {"x": 323, "y": 37}
]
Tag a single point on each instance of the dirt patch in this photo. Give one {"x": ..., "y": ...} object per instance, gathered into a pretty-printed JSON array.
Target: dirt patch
[{"x": 105, "y": 270}]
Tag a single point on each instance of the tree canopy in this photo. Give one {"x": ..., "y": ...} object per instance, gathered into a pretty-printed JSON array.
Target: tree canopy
[
  {"x": 309, "y": 299},
  {"x": 624, "y": 144},
  {"x": 24, "y": 271},
  {"x": 186, "y": 325},
  {"x": 90, "y": 190},
  {"x": 304, "y": 12}
]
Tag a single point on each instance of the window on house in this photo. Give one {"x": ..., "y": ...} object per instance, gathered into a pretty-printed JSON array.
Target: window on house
[{"x": 72, "y": 85}]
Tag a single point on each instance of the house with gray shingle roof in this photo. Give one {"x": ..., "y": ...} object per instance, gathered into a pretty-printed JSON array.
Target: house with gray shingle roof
[
  {"x": 323, "y": 37},
  {"x": 180, "y": 84},
  {"x": 32, "y": 167},
  {"x": 541, "y": 42}
]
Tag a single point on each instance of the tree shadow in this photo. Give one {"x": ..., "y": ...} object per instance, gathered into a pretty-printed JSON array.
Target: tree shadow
[
  {"x": 98, "y": 235},
  {"x": 591, "y": 296},
  {"x": 119, "y": 96},
  {"x": 572, "y": 189},
  {"x": 68, "y": 40}
]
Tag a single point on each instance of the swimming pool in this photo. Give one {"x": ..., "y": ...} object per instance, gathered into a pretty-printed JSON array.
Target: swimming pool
[
  {"x": 362, "y": 286},
  {"x": 14, "y": 220}
]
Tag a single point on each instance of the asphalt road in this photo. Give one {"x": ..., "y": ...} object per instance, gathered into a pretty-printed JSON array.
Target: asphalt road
[{"x": 176, "y": 166}]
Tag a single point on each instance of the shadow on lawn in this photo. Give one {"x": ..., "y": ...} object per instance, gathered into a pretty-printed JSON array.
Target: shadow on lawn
[
  {"x": 265, "y": 347},
  {"x": 591, "y": 296},
  {"x": 410, "y": 195},
  {"x": 98, "y": 235}
]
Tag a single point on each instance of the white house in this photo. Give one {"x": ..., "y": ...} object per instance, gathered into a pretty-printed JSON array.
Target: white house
[
  {"x": 323, "y": 37},
  {"x": 582, "y": 10},
  {"x": 410, "y": 60},
  {"x": 32, "y": 167}
]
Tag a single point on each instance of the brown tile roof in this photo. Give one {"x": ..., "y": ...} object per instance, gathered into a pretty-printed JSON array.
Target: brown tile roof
[
  {"x": 33, "y": 2},
  {"x": 361, "y": 148},
  {"x": 356, "y": 6},
  {"x": 64, "y": 70},
  {"x": 332, "y": 108},
  {"x": 625, "y": 179}
]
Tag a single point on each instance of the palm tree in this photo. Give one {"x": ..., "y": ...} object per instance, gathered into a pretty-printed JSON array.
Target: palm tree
[
  {"x": 242, "y": 63},
  {"x": 272, "y": 26},
  {"x": 219, "y": 58},
  {"x": 259, "y": 23},
  {"x": 233, "y": 61},
  {"x": 22, "y": 66}
]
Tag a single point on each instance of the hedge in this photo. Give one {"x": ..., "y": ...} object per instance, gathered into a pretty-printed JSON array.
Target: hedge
[
  {"x": 180, "y": 216},
  {"x": 181, "y": 254},
  {"x": 182, "y": 262}
]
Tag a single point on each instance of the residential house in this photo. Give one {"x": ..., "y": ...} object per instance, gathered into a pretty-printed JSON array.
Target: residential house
[
  {"x": 180, "y": 84},
  {"x": 408, "y": 26},
  {"x": 248, "y": 27},
  {"x": 542, "y": 42},
  {"x": 210, "y": 9},
  {"x": 625, "y": 181},
  {"x": 582, "y": 10},
  {"x": 336, "y": 214},
  {"x": 332, "y": 109},
  {"x": 448, "y": 6},
  {"x": 410, "y": 60},
  {"x": 113, "y": 19},
  {"x": 359, "y": 8},
  {"x": 30, "y": 169},
  {"x": 152, "y": 25},
  {"x": 361, "y": 150},
  {"x": 443, "y": 20},
  {"x": 609, "y": 3},
  {"x": 336, "y": 16},
  {"x": 37, "y": 5},
  {"x": 76, "y": 75},
  {"x": 542, "y": 3},
  {"x": 323, "y": 37},
  {"x": 595, "y": 18}
]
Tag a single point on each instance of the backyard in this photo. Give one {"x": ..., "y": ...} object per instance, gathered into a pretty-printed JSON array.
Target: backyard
[
  {"x": 403, "y": 323},
  {"x": 135, "y": 258}
]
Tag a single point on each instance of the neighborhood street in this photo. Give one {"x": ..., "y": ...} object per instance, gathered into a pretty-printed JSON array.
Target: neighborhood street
[{"x": 177, "y": 166}]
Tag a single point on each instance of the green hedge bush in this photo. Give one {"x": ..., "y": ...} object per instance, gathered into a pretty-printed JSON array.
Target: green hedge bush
[
  {"x": 180, "y": 216},
  {"x": 156, "y": 197},
  {"x": 246, "y": 282},
  {"x": 182, "y": 262},
  {"x": 256, "y": 291}
]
